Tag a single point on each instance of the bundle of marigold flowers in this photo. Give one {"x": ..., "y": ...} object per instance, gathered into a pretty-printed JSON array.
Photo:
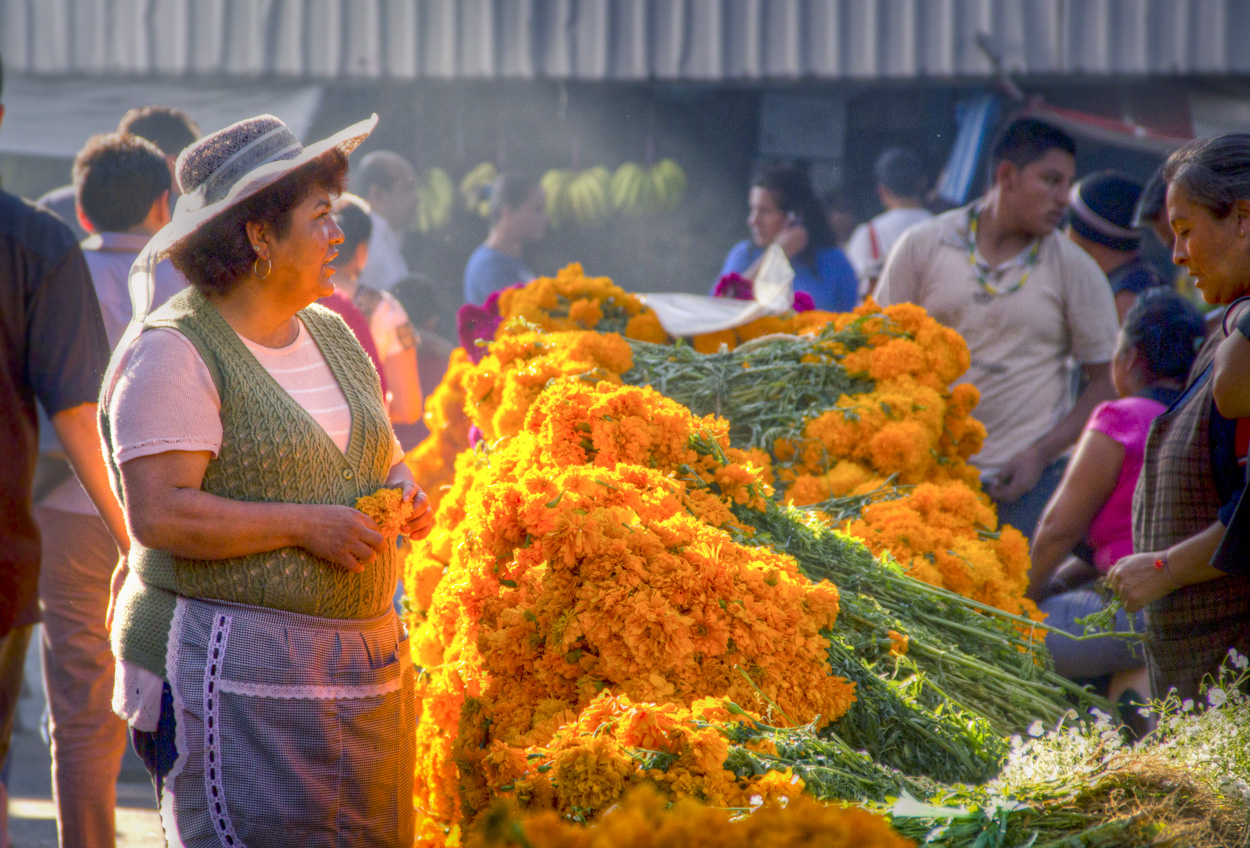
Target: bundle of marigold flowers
[
  {"x": 859, "y": 412},
  {"x": 597, "y": 549},
  {"x": 782, "y": 818}
]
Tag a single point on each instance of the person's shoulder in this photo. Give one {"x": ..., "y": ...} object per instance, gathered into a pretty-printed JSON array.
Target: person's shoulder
[
  {"x": 37, "y": 230},
  {"x": 479, "y": 258},
  {"x": 1124, "y": 417},
  {"x": 1072, "y": 257},
  {"x": 931, "y": 230},
  {"x": 1135, "y": 277}
]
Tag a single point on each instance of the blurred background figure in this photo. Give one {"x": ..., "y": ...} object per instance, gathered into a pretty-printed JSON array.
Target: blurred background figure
[
  {"x": 171, "y": 130},
  {"x": 1151, "y": 211},
  {"x": 1100, "y": 220},
  {"x": 841, "y": 215},
  {"x": 52, "y": 349},
  {"x": 432, "y": 322},
  {"x": 388, "y": 183},
  {"x": 122, "y": 184},
  {"x": 784, "y": 211},
  {"x": 1088, "y": 523},
  {"x": 392, "y": 332},
  {"x": 518, "y": 216},
  {"x": 901, "y": 184}
]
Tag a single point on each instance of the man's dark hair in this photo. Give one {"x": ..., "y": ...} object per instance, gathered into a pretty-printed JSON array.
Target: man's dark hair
[
  {"x": 378, "y": 168},
  {"x": 172, "y": 130},
  {"x": 117, "y": 178},
  {"x": 1025, "y": 140},
  {"x": 901, "y": 172},
  {"x": 1166, "y": 328},
  {"x": 511, "y": 189},
  {"x": 352, "y": 215},
  {"x": 217, "y": 256}
]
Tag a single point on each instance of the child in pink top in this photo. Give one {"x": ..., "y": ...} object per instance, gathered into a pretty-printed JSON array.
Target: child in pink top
[
  {"x": 1087, "y": 525},
  {"x": 1127, "y": 422}
]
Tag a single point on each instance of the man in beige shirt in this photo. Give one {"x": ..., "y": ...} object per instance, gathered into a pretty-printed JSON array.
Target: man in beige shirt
[{"x": 1028, "y": 302}]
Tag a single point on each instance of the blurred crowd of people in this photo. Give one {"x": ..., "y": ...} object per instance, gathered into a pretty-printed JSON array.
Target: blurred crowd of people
[{"x": 239, "y": 425}]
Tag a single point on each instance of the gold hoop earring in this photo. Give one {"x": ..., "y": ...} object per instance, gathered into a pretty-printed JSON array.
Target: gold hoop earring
[{"x": 268, "y": 268}]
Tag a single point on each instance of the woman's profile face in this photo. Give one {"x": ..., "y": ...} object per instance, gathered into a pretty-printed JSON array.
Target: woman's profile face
[
  {"x": 301, "y": 259},
  {"x": 1215, "y": 251},
  {"x": 765, "y": 218}
]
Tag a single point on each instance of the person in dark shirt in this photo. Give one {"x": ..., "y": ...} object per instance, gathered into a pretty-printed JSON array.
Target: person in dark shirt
[
  {"x": 52, "y": 348},
  {"x": 1100, "y": 209}
]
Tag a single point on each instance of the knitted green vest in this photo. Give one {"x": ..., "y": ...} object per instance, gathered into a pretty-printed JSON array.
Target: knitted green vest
[{"x": 271, "y": 451}]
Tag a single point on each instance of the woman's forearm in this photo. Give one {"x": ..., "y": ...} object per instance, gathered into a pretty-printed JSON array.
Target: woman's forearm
[
  {"x": 1189, "y": 562},
  {"x": 1052, "y": 547},
  {"x": 194, "y": 524}
]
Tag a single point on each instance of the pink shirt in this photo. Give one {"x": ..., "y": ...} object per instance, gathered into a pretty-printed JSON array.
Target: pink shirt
[{"x": 1127, "y": 421}]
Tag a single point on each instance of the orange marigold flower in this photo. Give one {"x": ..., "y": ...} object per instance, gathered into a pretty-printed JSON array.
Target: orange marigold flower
[{"x": 388, "y": 509}]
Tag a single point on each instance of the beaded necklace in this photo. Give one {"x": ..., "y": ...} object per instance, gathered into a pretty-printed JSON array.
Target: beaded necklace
[{"x": 988, "y": 290}]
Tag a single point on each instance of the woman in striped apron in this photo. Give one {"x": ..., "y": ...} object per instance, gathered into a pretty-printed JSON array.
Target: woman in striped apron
[{"x": 261, "y": 665}]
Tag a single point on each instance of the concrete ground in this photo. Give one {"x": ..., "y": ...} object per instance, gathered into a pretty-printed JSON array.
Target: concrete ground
[{"x": 32, "y": 818}]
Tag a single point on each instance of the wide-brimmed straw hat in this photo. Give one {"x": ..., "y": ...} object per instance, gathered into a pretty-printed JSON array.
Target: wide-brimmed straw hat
[
  {"x": 217, "y": 173},
  {"x": 223, "y": 169}
]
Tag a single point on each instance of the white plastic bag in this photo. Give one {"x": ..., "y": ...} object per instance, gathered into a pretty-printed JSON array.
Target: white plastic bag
[{"x": 695, "y": 314}]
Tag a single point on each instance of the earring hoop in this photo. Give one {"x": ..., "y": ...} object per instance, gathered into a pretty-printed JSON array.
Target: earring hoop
[{"x": 256, "y": 272}]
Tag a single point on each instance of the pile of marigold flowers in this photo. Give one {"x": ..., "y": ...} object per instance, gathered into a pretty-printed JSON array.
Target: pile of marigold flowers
[{"x": 616, "y": 550}]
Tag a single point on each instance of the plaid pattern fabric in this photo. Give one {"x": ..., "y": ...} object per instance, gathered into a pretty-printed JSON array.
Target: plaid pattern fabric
[
  {"x": 291, "y": 730},
  {"x": 1190, "y": 630}
]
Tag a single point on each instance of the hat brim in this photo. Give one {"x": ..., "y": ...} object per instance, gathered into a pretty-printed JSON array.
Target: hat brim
[{"x": 187, "y": 220}]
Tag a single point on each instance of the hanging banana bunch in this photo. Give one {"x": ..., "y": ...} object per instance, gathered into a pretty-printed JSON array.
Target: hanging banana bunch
[
  {"x": 474, "y": 188},
  {"x": 436, "y": 195},
  {"x": 589, "y": 197}
]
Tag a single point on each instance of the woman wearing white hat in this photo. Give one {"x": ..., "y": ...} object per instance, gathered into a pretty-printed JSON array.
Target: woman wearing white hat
[{"x": 262, "y": 667}]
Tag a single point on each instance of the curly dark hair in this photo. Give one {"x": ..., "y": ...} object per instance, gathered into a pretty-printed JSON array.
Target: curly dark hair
[{"x": 217, "y": 256}]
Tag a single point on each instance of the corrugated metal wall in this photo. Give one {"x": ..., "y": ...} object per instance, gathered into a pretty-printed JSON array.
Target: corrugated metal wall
[{"x": 628, "y": 40}]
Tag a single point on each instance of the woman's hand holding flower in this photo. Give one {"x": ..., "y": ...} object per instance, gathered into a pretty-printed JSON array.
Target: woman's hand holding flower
[
  {"x": 1138, "y": 581},
  {"x": 344, "y": 536},
  {"x": 421, "y": 522}
]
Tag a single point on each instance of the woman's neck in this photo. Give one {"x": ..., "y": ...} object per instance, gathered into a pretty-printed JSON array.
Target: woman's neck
[
  {"x": 1143, "y": 387},
  {"x": 505, "y": 242},
  {"x": 256, "y": 317}
]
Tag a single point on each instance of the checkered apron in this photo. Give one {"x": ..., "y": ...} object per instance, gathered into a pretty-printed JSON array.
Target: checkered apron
[
  {"x": 290, "y": 729},
  {"x": 1190, "y": 630}
]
